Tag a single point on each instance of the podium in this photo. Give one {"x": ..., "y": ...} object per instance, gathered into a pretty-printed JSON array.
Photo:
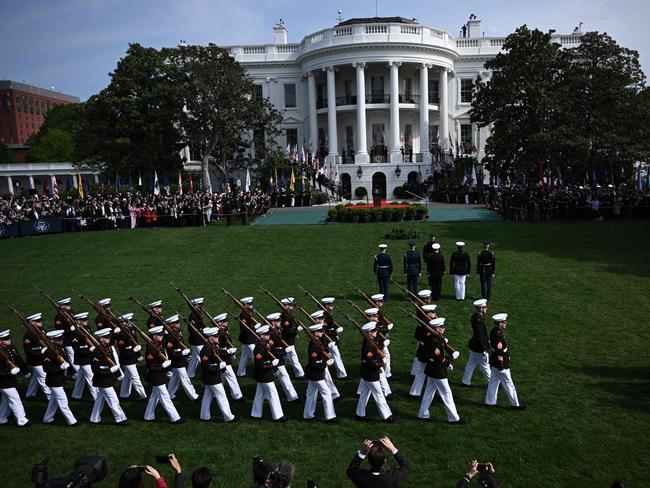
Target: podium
[{"x": 376, "y": 198}]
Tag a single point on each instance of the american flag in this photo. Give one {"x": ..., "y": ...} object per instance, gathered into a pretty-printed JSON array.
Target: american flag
[{"x": 55, "y": 188}]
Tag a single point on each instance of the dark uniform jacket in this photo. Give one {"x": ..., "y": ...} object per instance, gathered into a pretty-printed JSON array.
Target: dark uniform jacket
[
  {"x": 460, "y": 263},
  {"x": 102, "y": 375},
  {"x": 154, "y": 321},
  {"x": 8, "y": 380},
  {"x": 245, "y": 337},
  {"x": 61, "y": 323},
  {"x": 125, "y": 347},
  {"x": 479, "y": 341},
  {"x": 370, "y": 362},
  {"x": 382, "y": 324},
  {"x": 330, "y": 327},
  {"x": 102, "y": 322},
  {"x": 289, "y": 327},
  {"x": 428, "y": 251},
  {"x": 486, "y": 263},
  {"x": 196, "y": 319},
  {"x": 437, "y": 362},
  {"x": 500, "y": 357},
  {"x": 81, "y": 348},
  {"x": 365, "y": 478},
  {"x": 175, "y": 351},
  {"x": 224, "y": 345},
  {"x": 383, "y": 265},
  {"x": 54, "y": 375},
  {"x": 425, "y": 343},
  {"x": 210, "y": 370},
  {"x": 264, "y": 372},
  {"x": 32, "y": 348},
  {"x": 436, "y": 265},
  {"x": 156, "y": 374},
  {"x": 412, "y": 263},
  {"x": 277, "y": 349},
  {"x": 317, "y": 364}
]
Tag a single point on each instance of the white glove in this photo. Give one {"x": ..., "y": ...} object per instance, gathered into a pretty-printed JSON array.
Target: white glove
[
  {"x": 455, "y": 355},
  {"x": 166, "y": 364},
  {"x": 329, "y": 362},
  {"x": 168, "y": 374},
  {"x": 390, "y": 326},
  {"x": 231, "y": 350},
  {"x": 92, "y": 348},
  {"x": 28, "y": 375},
  {"x": 72, "y": 327},
  {"x": 43, "y": 349},
  {"x": 185, "y": 352},
  {"x": 116, "y": 330},
  {"x": 289, "y": 348},
  {"x": 331, "y": 344},
  {"x": 64, "y": 365},
  {"x": 114, "y": 368},
  {"x": 450, "y": 367},
  {"x": 387, "y": 342},
  {"x": 137, "y": 348},
  {"x": 339, "y": 330},
  {"x": 140, "y": 358},
  {"x": 15, "y": 371},
  {"x": 222, "y": 365},
  {"x": 275, "y": 362},
  {"x": 446, "y": 340}
]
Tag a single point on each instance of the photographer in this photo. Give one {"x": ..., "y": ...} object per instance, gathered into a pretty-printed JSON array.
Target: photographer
[
  {"x": 134, "y": 478},
  {"x": 375, "y": 476},
  {"x": 265, "y": 476},
  {"x": 486, "y": 475}
]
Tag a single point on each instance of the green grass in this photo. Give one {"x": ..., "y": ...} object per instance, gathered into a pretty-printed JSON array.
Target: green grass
[{"x": 577, "y": 298}]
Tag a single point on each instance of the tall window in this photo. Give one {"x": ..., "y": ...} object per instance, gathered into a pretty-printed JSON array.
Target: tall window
[
  {"x": 292, "y": 137},
  {"x": 347, "y": 87},
  {"x": 290, "y": 95},
  {"x": 434, "y": 91},
  {"x": 259, "y": 92},
  {"x": 377, "y": 85},
  {"x": 259, "y": 143},
  {"x": 466, "y": 133},
  {"x": 407, "y": 91},
  {"x": 466, "y": 89},
  {"x": 321, "y": 95},
  {"x": 433, "y": 134}
]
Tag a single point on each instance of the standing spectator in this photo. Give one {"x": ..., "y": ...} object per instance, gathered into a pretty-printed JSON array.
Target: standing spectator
[
  {"x": 486, "y": 477},
  {"x": 375, "y": 476}
]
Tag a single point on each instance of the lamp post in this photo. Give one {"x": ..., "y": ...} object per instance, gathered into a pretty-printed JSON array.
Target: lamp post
[
  {"x": 398, "y": 171},
  {"x": 359, "y": 172}
]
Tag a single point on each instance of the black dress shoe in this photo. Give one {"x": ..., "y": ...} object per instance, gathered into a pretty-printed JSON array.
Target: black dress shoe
[
  {"x": 26, "y": 425},
  {"x": 179, "y": 421},
  {"x": 309, "y": 420},
  {"x": 282, "y": 419},
  {"x": 458, "y": 422},
  {"x": 362, "y": 419},
  {"x": 257, "y": 419},
  {"x": 123, "y": 423},
  {"x": 295, "y": 400},
  {"x": 334, "y": 420},
  {"x": 301, "y": 378},
  {"x": 390, "y": 397},
  {"x": 76, "y": 424},
  {"x": 521, "y": 406},
  {"x": 390, "y": 420},
  {"x": 465, "y": 385},
  {"x": 344, "y": 378},
  {"x": 337, "y": 399},
  {"x": 234, "y": 419},
  {"x": 240, "y": 399},
  {"x": 414, "y": 397},
  {"x": 489, "y": 406}
]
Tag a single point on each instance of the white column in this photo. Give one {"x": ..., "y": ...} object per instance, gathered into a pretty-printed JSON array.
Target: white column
[
  {"x": 10, "y": 185},
  {"x": 31, "y": 182},
  {"x": 361, "y": 156},
  {"x": 456, "y": 136},
  {"x": 443, "y": 126},
  {"x": 313, "y": 116},
  {"x": 424, "y": 113},
  {"x": 52, "y": 182},
  {"x": 331, "y": 116},
  {"x": 395, "y": 155},
  {"x": 75, "y": 182}
]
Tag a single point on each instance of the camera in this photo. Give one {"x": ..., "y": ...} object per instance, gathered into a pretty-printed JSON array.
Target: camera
[
  {"x": 482, "y": 467},
  {"x": 87, "y": 470}
]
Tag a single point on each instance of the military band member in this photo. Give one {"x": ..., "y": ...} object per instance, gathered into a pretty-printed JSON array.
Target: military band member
[
  {"x": 383, "y": 269},
  {"x": 412, "y": 267},
  {"x": 460, "y": 266},
  {"x": 178, "y": 356},
  {"x": 374, "y": 316},
  {"x": 157, "y": 369},
  {"x": 485, "y": 268},
  {"x": 319, "y": 316},
  {"x": 290, "y": 329},
  {"x": 436, "y": 270},
  {"x": 104, "y": 379},
  {"x": 371, "y": 365},
  {"x": 227, "y": 354},
  {"x": 82, "y": 351},
  {"x": 425, "y": 341},
  {"x": 479, "y": 344},
  {"x": 34, "y": 359},
  {"x": 11, "y": 364},
  {"x": 333, "y": 330},
  {"x": 55, "y": 380},
  {"x": 129, "y": 355},
  {"x": 500, "y": 363},
  {"x": 60, "y": 322},
  {"x": 196, "y": 343},
  {"x": 436, "y": 371},
  {"x": 246, "y": 338},
  {"x": 265, "y": 364},
  {"x": 278, "y": 350},
  {"x": 316, "y": 385},
  {"x": 211, "y": 369}
]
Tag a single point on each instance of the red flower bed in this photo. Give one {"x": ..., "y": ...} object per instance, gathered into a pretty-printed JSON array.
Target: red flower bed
[{"x": 384, "y": 204}]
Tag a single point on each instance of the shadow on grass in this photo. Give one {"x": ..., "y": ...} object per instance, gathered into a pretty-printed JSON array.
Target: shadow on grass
[{"x": 625, "y": 387}]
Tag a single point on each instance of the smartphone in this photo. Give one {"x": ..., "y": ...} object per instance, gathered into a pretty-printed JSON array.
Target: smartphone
[
  {"x": 482, "y": 467},
  {"x": 163, "y": 459}
]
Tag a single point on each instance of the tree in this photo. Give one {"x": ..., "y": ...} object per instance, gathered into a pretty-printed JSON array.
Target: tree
[
  {"x": 53, "y": 145},
  {"x": 5, "y": 154},
  {"x": 61, "y": 137}
]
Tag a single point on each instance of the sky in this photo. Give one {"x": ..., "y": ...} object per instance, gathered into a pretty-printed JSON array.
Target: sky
[{"x": 73, "y": 45}]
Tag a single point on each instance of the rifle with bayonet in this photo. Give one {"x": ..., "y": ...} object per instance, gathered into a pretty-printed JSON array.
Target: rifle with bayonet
[
  {"x": 320, "y": 305},
  {"x": 365, "y": 335},
  {"x": 370, "y": 301},
  {"x": 40, "y": 336},
  {"x": 454, "y": 354},
  {"x": 366, "y": 318},
  {"x": 170, "y": 330}
]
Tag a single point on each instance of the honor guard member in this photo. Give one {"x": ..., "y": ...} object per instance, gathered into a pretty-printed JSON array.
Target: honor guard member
[
  {"x": 265, "y": 364},
  {"x": 178, "y": 355},
  {"x": 157, "y": 368},
  {"x": 485, "y": 268},
  {"x": 278, "y": 350},
  {"x": 62, "y": 323},
  {"x": 196, "y": 343},
  {"x": 500, "y": 363},
  {"x": 290, "y": 329},
  {"x": 412, "y": 267},
  {"x": 383, "y": 269},
  {"x": 211, "y": 369},
  {"x": 427, "y": 250},
  {"x": 436, "y": 270},
  {"x": 479, "y": 344},
  {"x": 383, "y": 328},
  {"x": 101, "y": 320},
  {"x": 34, "y": 359},
  {"x": 104, "y": 369},
  {"x": 373, "y": 316},
  {"x": 316, "y": 385},
  {"x": 155, "y": 316},
  {"x": 319, "y": 316},
  {"x": 425, "y": 299},
  {"x": 11, "y": 364},
  {"x": 83, "y": 347},
  {"x": 425, "y": 342},
  {"x": 371, "y": 365},
  {"x": 246, "y": 337},
  {"x": 227, "y": 353},
  {"x": 460, "y": 266},
  {"x": 333, "y": 330},
  {"x": 55, "y": 379},
  {"x": 436, "y": 371},
  {"x": 130, "y": 356}
]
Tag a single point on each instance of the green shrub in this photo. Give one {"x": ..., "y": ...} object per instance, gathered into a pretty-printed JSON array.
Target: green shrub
[{"x": 360, "y": 192}]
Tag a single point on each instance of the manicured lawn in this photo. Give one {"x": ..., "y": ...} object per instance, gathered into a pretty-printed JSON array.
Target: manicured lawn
[{"x": 577, "y": 298}]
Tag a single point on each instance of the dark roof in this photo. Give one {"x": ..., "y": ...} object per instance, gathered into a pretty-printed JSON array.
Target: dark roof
[{"x": 377, "y": 20}]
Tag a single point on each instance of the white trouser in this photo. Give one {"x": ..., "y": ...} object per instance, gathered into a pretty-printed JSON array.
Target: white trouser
[
  {"x": 84, "y": 376},
  {"x": 231, "y": 380},
  {"x": 418, "y": 381},
  {"x": 69, "y": 351},
  {"x": 10, "y": 401},
  {"x": 476, "y": 359},
  {"x": 459, "y": 286},
  {"x": 109, "y": 396},
  {"x": 504, "y": 379},
  {"x": 383, "y": 381},
  {"x": 335, "y": 354},
  {"x": 179, "y": 377},
  {"x": 291, "y": 357},
  {"x": 372, "y": 387},
  {"x": 160, "y": 394},
  {"x": 58, "y": 400},
  {"x": 330, "y": 384},
  {"x": 194, "y": 360},
  {"x": 313, "y": 389},
  {"x": 386, "y": 361},
  {"x": 246, "y": 355},
  {"x": 132, "y": 379},
  {"x": 219, "y": 394},
  {"x": 285, "y": 381},
  {"x": 37, "y": 379},
  {"x": 442, "y": 387},
  {"x": 415, "y": 364},
  {"x": 267, "y": 391}
]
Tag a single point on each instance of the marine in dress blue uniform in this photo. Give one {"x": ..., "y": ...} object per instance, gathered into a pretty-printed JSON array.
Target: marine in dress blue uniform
[
  {"x": 412, "y": 267},
  {"x": 383, "y": 269}
]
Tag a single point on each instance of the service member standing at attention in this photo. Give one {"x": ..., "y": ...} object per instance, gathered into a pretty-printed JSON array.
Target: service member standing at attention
[
  {"x": 479, "y": 344},
  {"x": 246, "y": 338},
  {"x": 196, "y": 343},
  {"x": 383, "y": 269},
  {"x": 500, "y": 362},
  {"x": 485, "y": 268},
  {"x": 289, "y": 333},
  {"x": 82, "y": 350},
  {"x": 60, "y": 322},
  {"x": 412, "y": 267},
  {"x": 333, "y": 330},
  {"x": 227, "y": 354},
  {"x": 34, "y": 359},
  {"x": 104, "y": 379},
  {"x": 129, "y": 355},
  {"x": 55, "y": 380},
  {"x": 278, "y": 350},
  {"x": 265, "y": 365},
  {"x": 11, "y": 364},
  {"x": 211, "y": 368},
  {"x": 178, "y": 356},
  {"x": 436, "y": 270},
  {"x": 460, "y": 266},
  {"x": 316, "y": 368}
]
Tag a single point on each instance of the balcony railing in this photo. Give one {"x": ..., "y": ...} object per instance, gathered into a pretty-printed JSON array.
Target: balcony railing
[{"x": 404, "y": 98}]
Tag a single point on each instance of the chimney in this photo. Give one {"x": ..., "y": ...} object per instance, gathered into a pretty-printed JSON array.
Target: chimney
[
  {"x": 280, "y": 32},
  {"x": 473, "y": 26}
]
